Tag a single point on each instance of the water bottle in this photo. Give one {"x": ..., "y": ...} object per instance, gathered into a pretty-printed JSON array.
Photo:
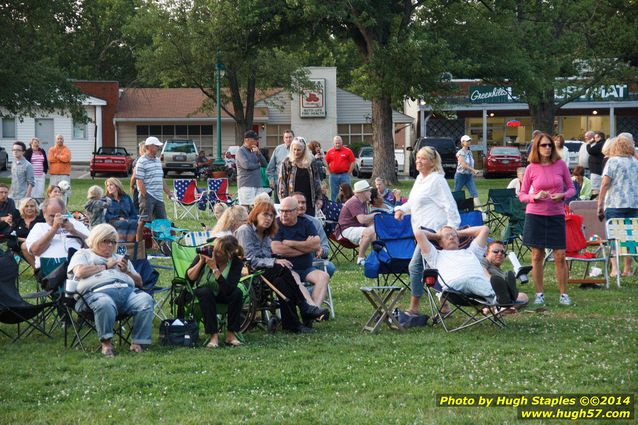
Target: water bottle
[{"x": 187, "y": 340}]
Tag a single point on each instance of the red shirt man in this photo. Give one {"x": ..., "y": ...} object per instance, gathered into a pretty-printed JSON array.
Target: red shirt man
[{"x": 340, "y": 162}]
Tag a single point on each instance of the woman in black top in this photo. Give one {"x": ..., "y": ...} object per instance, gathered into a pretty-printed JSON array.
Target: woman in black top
[
  {"x": 28, "y": 218},
  {"x": 595, "y": 150},
  {"x": 218, "y": 275},
  {"x": 299, "y": 173}
]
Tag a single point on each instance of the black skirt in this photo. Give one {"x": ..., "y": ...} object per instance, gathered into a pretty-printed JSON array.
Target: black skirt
[{"x": 543, "y": 231}]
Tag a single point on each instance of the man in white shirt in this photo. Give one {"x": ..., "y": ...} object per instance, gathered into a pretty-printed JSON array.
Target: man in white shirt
[{"x": 54, "y": 238}]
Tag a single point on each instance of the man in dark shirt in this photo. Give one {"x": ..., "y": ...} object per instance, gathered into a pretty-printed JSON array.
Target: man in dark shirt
[
  {"x": 297, "y": 241},
  {"x": 8, "y": 212}
]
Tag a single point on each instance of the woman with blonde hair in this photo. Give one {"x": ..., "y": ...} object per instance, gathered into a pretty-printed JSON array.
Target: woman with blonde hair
[
  {"x": 618, "y": 196},
  {"x": 29, "y": 216},
  {"x": 108, "y": 285},
  {"x": 121, "y": 214},
  {"x": 230, "y": 221},
  {"x": 299, "y": 173}
]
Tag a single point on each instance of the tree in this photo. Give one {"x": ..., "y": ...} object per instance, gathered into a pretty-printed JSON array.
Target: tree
[
  {"x": 31, "y": 40},
  {"x": 401, "y": 59},
  {"x": 187, "y": 35},
  {"x": 539, "y": 47}
]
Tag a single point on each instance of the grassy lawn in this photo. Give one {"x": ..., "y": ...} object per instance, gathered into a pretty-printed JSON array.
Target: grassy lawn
[{"x": 338, "y": 375}]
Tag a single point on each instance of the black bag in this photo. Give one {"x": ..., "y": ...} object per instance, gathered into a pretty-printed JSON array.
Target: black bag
[{"x": 186, "y": 335}]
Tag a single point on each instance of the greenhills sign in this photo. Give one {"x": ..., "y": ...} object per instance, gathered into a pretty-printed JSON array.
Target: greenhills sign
[{"x": 504, "y": 94}]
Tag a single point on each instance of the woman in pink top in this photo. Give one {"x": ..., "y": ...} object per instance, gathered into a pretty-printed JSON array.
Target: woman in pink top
[
  {"x": 38, "y": 159},
  {"x": 545, "y": 213}
]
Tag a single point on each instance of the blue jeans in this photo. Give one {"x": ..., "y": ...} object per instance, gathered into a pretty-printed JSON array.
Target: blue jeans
[
  {"x": 465, "y": 180},
  {"x": 415, "y": 268},
  {"x": 335, "y": 181},
  {"x": 108, "y": 304}
]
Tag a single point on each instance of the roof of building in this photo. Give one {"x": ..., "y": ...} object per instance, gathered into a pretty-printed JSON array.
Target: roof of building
[{"x": 168, "y": 103}]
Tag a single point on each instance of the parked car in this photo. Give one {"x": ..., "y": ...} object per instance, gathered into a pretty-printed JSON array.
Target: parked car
[
  {"x": 180, "y": 156},
  {"x": 503, "y": 160},
  {"x": 573, "y": 146},
  {"x": 364, "y": 161},
  {"x": 4, "y": 159},
  {"x": 111, "y": 160},
  {"x": 445, "y": 146}
]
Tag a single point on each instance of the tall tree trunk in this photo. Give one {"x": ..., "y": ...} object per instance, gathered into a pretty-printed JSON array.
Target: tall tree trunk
[
  {"x": 543, "y": 112},
  {"x": 383, "y": 140}
]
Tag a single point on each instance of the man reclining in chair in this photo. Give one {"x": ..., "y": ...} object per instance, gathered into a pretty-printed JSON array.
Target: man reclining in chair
[
  {"x": 461, "y": 269},
  {"x": 492, "y": 262}
]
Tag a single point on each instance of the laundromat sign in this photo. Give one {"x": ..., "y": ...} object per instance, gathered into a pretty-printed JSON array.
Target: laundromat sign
[{"x": 504, "y": 94}]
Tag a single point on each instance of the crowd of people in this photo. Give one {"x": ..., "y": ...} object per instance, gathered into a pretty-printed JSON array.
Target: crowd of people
[{"x": 277, "y": 227}]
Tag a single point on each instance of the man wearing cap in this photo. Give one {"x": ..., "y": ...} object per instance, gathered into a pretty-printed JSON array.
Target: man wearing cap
[
  {"x": 150, "y": 183},
  {"x": 278, "y": 155},
  {"x": 355, "y": 224},
  {"x": 340, "y": 162},
  {"x": 249, "y": 162},
  {"x": 465, "y": 171},
  {"x": 59, "y": 157}
]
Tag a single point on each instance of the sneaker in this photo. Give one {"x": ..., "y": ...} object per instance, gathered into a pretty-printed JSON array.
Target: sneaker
[
  {"x": 540, "y": 299},
  {"x": 361, "y": 261},
  {"x": 564, "y": 300}
]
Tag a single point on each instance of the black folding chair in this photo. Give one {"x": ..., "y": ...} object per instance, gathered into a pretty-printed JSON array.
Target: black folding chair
[
  {"x": 14, "y": 310},
  {"x": 498, "y": 207}
]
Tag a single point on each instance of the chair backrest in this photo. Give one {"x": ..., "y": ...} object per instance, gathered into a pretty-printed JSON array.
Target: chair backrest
[
  {"x": 182, "y": 257},
  {"x": 625, "y": 233},
  {"x": 161, "y": 229},
  {"x": 589, "y": 211},
  {"x": 185, "y": 190},
  {"x": 471, "y": 218},
  {"x": 500, "y": 199},
  {"x": 463, "y": 204},
  {"x": 397, "y": 235},
  {"x": 332, "y": 210},
  {"x": 196, "y": 238},
  {"x": 9, "y": 294},
  {"x": 218, "y": 189}
]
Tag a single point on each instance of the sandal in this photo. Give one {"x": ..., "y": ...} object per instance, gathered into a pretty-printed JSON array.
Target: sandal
[
  {"x": 233, "y": 343},
  {"x": 108, "y": 352},
  {"x": 135, "y": 348},
  {"x": 212, "y": 344}
]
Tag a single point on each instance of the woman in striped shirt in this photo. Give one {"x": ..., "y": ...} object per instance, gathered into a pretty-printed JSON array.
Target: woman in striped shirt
[{"x": 38, "y": 159}]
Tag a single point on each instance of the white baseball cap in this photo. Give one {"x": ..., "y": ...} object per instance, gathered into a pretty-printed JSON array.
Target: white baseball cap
[
  {"x": 466, "y": 138},
  {"x": 152, "y": 141}
]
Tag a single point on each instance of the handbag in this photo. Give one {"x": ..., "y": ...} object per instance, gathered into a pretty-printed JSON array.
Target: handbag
[{"x": 179, "y": 333}]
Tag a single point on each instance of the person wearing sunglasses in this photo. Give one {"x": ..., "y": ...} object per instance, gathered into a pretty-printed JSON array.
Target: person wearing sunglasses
[
  {"x": 492, "y": 262},
  {"x": 545, "y": 212},
  {"x": 108, "y": 285}
]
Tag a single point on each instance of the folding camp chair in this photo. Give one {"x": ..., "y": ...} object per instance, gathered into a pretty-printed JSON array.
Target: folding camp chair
[
  {"x": 472, "y": 309},
  {"x": 392, "y": 251},
  {"x": 339, "y": 246},
  {"x": 462, "y": 203},
  {"x": 185, "y": 199},
  {"x": 513, "y": 232},
  {"x": 622, "y": 233},
  {"x": 217, "y": 191},
  {"x": 163, "y": 233},
  {"x": 150, "y": 276},
  {"x": 498, "y": 207},
  {"x": 14, "y": 310},
  {"x": 579, "y": 250},
  {"x": 321, "y": 265}
]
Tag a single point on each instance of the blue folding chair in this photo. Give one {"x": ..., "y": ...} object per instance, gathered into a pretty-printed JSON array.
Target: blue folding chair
[{"x": 392, "y": 251}]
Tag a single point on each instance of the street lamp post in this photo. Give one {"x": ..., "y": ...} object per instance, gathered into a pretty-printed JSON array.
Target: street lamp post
[{"x": 219, "y": 70}]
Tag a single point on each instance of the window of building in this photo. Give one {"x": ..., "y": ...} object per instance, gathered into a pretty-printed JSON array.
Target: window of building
[
  {"x": 142, "y": 130},
  {"x": 355, "y": 133},
  {"x": 8, "y": 128},
  {"x": 79, "y": 131},
  {"x": 275, "y": 134}
]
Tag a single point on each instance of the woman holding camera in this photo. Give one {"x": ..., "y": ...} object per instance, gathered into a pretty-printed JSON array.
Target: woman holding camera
[
  {"x": 218, "y": 271},
  {"x": 109, "y": 285}
]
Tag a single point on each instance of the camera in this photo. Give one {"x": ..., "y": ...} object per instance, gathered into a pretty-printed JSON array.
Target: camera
[{"x": 206, "y": 250}]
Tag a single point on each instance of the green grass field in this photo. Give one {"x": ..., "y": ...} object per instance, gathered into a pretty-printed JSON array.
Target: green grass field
[{"x": 339, "y": 375}]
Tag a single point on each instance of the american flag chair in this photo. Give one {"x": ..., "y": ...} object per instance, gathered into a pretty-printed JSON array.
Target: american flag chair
[
  {"x": 339, "y": 246},
  {"x": 186, "y": 199},
  {"x": 218, "y": 192}
]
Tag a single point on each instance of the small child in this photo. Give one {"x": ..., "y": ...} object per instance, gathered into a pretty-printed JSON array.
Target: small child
[{"x": 96, "y": 206}]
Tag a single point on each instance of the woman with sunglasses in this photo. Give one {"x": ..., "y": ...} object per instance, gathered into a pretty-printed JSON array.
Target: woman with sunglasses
[
  {"x": 109, "y": 285},
  {"x": 299, "y": 173},
  {"x": 545, "y": 212}
]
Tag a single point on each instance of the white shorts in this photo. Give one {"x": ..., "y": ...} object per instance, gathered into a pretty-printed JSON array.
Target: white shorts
[
  {"x": 247, "y": 195},
  {"x": 353, "y": 234}
]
